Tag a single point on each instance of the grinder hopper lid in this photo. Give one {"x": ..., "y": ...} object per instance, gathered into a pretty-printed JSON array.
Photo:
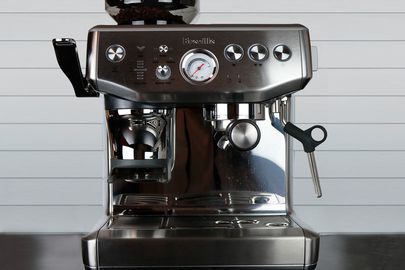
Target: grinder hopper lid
[{"x": 151, "y": 11}]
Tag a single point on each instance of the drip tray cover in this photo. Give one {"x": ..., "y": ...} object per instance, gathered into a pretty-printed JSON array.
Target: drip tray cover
[{"x": 134, "y": 242}]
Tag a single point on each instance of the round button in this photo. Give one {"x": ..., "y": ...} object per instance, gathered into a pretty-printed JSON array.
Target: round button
[
  {"x": 258, "y": 53},
  {"x": 115, "y": 53},
  {"x": 282, "y": 53},
  {"x": 163, "y": 49},
  {"x": 163, "y": 72},
  {"x": 234, "y": 53}
]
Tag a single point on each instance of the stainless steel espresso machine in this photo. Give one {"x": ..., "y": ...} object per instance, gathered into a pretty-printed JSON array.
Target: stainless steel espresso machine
[{"x": 199, "y": 135}]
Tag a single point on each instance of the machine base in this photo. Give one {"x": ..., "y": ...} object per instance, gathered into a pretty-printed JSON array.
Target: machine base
[
  {"x": 312, "y": 267},
  {"x": 216, "y": 242}
]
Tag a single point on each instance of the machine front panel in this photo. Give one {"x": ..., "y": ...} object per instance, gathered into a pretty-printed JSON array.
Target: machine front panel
[{"x": 200, "y": 64}]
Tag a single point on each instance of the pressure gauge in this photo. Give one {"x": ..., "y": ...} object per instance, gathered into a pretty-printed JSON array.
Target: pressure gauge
[{"x": 199, "y": 66}]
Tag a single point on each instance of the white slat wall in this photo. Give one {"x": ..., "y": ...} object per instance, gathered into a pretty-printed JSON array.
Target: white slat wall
[{"x": 52, "y": 145}]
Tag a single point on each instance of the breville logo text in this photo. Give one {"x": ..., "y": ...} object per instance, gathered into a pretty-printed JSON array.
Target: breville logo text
[{"x": 201, "y": 41}]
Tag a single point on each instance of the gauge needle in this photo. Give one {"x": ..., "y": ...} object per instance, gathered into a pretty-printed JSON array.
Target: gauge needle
[{"x": 198, "y": 69}]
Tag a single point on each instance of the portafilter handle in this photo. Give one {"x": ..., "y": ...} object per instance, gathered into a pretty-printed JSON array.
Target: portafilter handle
[
  {"x": 310, "y": 144},
  {"x": 68, "y": 60}
]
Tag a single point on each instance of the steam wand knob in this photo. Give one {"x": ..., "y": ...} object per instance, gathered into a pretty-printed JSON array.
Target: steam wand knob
[{"x": 310, "y": 144}]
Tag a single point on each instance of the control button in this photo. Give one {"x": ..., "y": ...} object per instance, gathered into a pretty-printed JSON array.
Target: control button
[
  {"x": 115, "y": 53},
  {"x": 163, "y": 72},
  {"x": 258, "y": 53},
  {"x": 234, "y": 53},
  {"x": 282, "y": 53},
  {"x": 163, "y": 49}
]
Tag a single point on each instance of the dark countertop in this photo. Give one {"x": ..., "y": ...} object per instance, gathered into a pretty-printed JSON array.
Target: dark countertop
[{"x": 338, "y": 252}]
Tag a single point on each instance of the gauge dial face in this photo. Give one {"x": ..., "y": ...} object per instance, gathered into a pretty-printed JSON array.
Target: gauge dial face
[{"x": 199, "y": 66}]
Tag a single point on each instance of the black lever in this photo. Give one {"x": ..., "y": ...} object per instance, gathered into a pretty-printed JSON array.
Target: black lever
[
  {"x": 305, "y": 136},
  {"x": 310, "y": 144},
  {"x": 68, "y": 60}
]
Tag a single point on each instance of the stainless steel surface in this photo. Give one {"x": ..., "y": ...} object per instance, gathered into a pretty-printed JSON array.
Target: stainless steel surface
[
  {"x": 244, "y": 135},
  {"x": 213, "y": 203},
  {"x": 203, "y": 169},
  {"x": 206, "y": 241},
  {"x": 141, "y": 144},
  {"x": 235, "y": 111},
  {"x": 246, "y": 81},
  {"x": 338, "y": 252},
  {"x": 314, "y": 174}
]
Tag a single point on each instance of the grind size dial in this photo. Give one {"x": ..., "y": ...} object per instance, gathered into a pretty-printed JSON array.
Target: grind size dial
[{"x": 199, "y": 66}]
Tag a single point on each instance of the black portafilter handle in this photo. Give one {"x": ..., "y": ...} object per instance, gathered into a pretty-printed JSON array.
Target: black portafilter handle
[
  {"x": 310, "y": 144},
  {"x": 68, "y": 60},
  {"x": 305, "y": 136}
]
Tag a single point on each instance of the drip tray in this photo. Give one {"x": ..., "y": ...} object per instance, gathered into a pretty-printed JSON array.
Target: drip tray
[
  {"x": 197, "y": 222},
  {"x": 136, "y": 242}
]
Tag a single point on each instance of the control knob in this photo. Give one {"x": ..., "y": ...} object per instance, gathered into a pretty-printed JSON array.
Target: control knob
[
  {"x": 234, "y": 53},
  {"x": 258, "y": 53},
  {"x": 282, "y": 53},
  {"x": 163, "y": 49},
  {"x": 163, "y": 72}
]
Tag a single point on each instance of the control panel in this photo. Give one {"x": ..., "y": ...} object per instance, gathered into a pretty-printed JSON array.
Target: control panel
[{"x": 199, "y": 64}]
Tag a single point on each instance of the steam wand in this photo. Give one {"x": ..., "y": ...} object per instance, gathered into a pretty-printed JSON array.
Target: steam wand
[{"x": 304, "y": 136}]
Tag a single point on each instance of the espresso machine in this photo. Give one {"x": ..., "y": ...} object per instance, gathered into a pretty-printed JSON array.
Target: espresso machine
[{"x": 199, "y": 139}]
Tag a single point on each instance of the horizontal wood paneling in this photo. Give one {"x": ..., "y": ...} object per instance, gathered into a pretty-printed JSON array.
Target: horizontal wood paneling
[
  {"x": 51, "y": 192},
  {"x": 345, "y": 26},
  {"x": 214, "y": 6},
  {"x": 50, "y": 110},
  {"x": 353, "y": 219},
  {"x": 49, "y": 219},
  {"x": 353, "y": 164},
  {"x": 351, "y": 192},
  {"x": 52, "y": 137},
  {"x": 359, "y": 54},
  {"x": 361, "y": 137},
  {"x": 26, "y": 26},
  {"x": 33, "y": 54},
  {"x": 35, "y": 82},
  {"x": 51, "y": 164},
  {"x": 356, "y": 82},
  {"x": 269, "y": 6},
  {"x": 52, "y": 6},
  {"x": 350, "y": 110}
]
